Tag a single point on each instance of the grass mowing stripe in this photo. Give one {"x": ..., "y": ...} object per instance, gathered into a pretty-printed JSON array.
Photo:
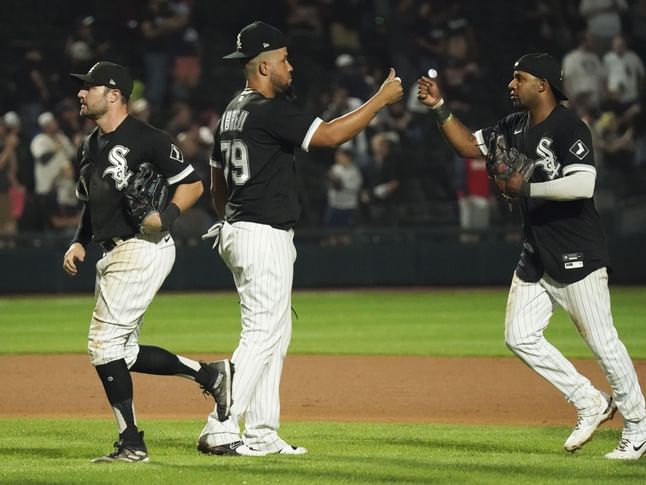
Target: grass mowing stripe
[
  {"x": 419, "y": 322},
  {"x": 58, "y": 451}
]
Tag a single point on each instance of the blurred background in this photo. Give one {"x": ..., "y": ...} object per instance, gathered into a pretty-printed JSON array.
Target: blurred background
[{"x": 393, "y": 207}]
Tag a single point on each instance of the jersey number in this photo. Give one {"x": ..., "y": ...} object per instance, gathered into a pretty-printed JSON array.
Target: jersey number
[{"x": 236, "y": 159}]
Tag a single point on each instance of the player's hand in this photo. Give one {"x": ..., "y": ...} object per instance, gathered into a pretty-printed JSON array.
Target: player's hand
[
  {"x": 152, "y": 223},
  {"x": 76, "y": 252},
  {"x": 391, "y": 90},
  {"x": 428, "y": 92}
]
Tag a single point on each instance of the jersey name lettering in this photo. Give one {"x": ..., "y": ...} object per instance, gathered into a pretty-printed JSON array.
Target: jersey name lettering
[
  {"x": 547, "y": 159},
  {"x": 119, "y": 169},
  {"x": 234, "y": 120}
]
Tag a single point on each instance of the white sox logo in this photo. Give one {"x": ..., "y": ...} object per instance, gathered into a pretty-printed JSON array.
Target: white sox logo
[
  {"x": 547, "y": 159},
  {"x": 119, "y": 169}
]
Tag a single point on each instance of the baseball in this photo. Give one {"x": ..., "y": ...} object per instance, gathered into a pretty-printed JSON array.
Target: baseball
[{"x": 432, "y": 73}]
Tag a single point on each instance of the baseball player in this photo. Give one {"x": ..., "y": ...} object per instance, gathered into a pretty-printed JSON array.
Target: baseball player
[
  {"x": 564, "y": 257},
  {"x": 136, "y": 261},
  {"x": 254, "y": 191}
]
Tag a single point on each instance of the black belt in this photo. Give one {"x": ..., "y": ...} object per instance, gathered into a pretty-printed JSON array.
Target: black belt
[{"x": 109, "y": 244}]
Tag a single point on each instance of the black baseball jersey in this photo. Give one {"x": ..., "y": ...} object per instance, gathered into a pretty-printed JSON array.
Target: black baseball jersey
[
  {"x": 563, "y": 238},
  {"x": 254, "y": 145},
  {"x": 106, "y": 164}
]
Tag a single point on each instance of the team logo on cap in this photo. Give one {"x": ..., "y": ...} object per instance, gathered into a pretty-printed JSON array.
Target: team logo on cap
[
  {"x": 239, "y": 43},
  {"x": 265, "y": 45},
  {"x": 112, "y": 82}
]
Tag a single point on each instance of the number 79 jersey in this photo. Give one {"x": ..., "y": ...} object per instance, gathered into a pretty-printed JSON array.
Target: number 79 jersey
[{"x": 254, "y": 145}]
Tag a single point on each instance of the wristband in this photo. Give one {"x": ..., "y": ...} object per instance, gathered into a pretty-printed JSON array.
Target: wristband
[
  {"x": 168, "y": 216},
  {"x": 441, "y": 112},
  {"x": 525, "y": 190}
]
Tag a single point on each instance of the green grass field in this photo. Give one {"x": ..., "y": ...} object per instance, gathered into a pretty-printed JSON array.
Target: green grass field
[{"x": 436, "y": 323}]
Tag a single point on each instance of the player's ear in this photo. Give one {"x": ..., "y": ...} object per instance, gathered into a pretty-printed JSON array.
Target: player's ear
[
  {"x": 542, "y": 84},
  {"x": 263, "y": 68}
]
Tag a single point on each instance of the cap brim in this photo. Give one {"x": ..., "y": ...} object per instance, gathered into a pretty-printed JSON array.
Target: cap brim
[
  {"x": 237, "y": 55},
  {"x": 83, "y": 78}
]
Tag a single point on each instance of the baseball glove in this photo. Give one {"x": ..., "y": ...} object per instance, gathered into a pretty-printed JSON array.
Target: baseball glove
[
  {"x": 503, "y": 162},
  {"x": 146, "y": 193}
]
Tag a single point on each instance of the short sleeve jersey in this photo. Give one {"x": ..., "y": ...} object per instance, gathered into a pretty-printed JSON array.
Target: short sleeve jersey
[
  {"x": 254, "y": 145},
  {"x": 563, "y": 238},
  {"x": 108, "y": 162}
]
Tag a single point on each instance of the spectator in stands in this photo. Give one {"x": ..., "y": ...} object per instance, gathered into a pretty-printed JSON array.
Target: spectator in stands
[
  {"x": 158, "y": 26},
  {"x": 33, "y": 90},
  {"x": 583, "y": 73},
  {"x": 603, "y": 19},
  {"x": 344, "y": 185},
  {"x": 140, "y": 109},
  {"x": 186, "y": 47},
  {"x": 382, "y": 179},
  {"x": 53, "y": 153},
  {"x": 11, "y": 191},
  {"x": 625, "y": 73},
  {"x": 340, "y": 104},
  {"x": 616, "y": 139},
  {"x": 474, "y": 198},
  {"x": 181, "y": 118}
]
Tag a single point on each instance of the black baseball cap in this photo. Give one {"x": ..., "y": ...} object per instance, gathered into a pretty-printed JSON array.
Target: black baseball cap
[
  {"x": 543, "y": 66},
  {"x": 108, "y": 74},
  {"x": 256, "y": 38}
]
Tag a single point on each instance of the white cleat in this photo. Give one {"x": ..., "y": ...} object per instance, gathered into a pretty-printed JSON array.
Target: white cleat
[
  {"x": 236, "y": 448},
  {"x": 587, "y": 423},
  {"x": 293, "y": 450},
  {"x": 629, "y": 449}
]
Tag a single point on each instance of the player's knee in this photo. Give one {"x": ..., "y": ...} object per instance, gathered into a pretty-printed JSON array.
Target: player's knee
[
  {"x": 95, "y": 349},
  {"x": 103, "y": 351},
  {"x": 520, "y": 342}
]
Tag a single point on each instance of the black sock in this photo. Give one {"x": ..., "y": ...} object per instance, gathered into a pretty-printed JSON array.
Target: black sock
[
  {"x": 117, "y": 383},
  {"x": 155, "y": 360}
]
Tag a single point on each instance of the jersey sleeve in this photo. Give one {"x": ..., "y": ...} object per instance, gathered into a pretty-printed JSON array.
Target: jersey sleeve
[
  {"x": 169, "y": 159},
  {"x": 576, "y": 153},
  {"x": 216, "y": 154},
  {"x": 483, "y": 134},
  {"x": 504, "y": 126},
  {"x": 288, "y": 123}
]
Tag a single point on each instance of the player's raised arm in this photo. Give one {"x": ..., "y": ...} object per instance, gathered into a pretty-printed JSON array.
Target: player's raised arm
[
  {"x": 459, "y": 136},
  {"x": 338, "y": 131}
]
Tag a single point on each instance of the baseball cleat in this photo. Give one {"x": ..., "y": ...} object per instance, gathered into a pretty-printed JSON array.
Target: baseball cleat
[
  {"x": 215, "y": 378},
  {"x": 587, "y": 424},
  {"x": 629, "y": 449},
  {"x": 237, "y": 448},
  {"x": 129, "y": 451},
  {"x": 293, "y": 450}
]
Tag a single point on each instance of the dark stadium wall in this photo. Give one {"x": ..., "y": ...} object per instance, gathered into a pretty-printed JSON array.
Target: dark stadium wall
[{"x": 365, "y": 264}]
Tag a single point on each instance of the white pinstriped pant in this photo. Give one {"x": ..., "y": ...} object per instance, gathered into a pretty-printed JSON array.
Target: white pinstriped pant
[
  {"x": 261, "y": 260},
  {"x": 529, "y": 309},
  {"x": 127, "y": 280}
]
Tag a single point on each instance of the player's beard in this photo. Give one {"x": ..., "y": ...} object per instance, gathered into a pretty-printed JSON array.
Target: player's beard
[
  {"x": 284, "y": 87},
  {"x": 95, "y": 113}
]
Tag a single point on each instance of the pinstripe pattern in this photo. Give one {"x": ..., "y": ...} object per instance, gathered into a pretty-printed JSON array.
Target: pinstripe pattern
[
  {"x": 261, "y": 260},
  {"x": 127, "y": 279},
  {"x": 587, "y": 302}
]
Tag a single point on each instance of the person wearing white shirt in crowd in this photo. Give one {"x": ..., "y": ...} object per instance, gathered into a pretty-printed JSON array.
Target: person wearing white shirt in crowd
[
  {"x": 53, "y": 153},
  {"x": 583, "y": 73},
  {"x": 625, "y": 72}
]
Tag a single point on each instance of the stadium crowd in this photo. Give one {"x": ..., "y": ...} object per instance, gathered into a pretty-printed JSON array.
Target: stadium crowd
[{"x": 398, "y": 172}]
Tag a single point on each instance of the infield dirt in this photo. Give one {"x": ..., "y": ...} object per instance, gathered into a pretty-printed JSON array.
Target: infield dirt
[{"x": 317, "y": 388}]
